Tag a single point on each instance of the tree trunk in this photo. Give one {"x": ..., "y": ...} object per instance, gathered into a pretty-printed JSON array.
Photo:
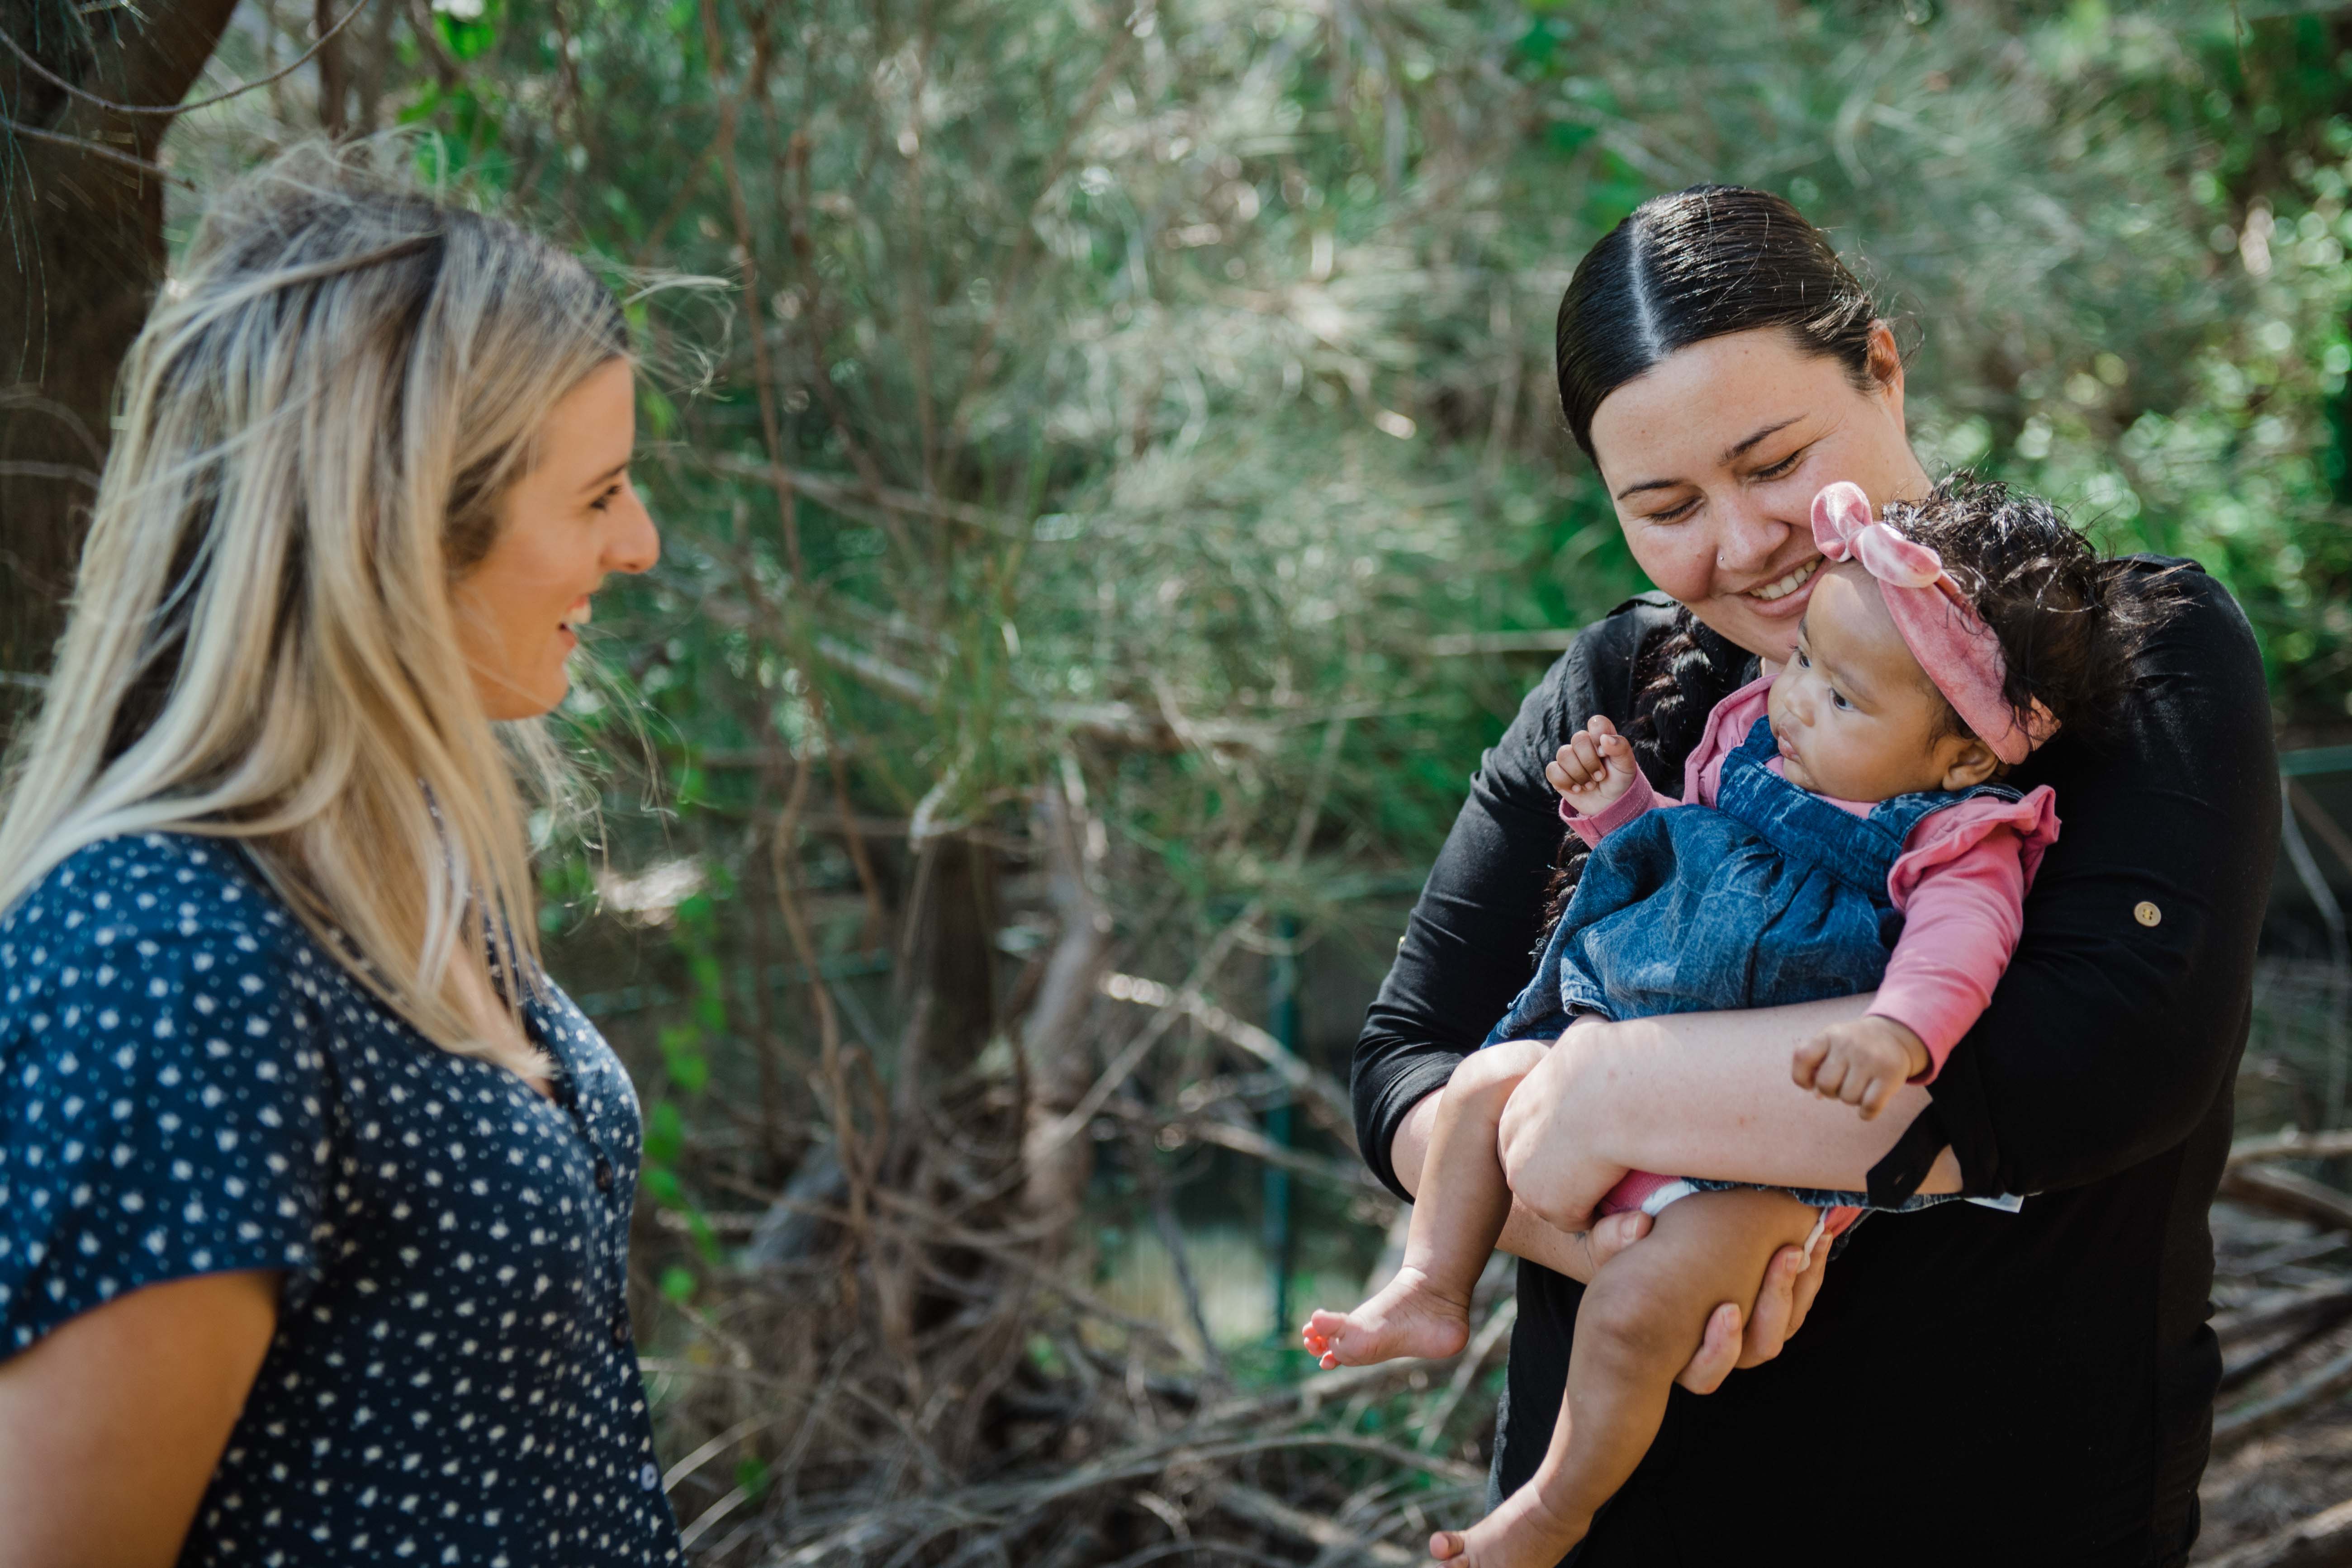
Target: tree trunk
[
  {"x": 335, "y": 76},
  {"x": 952, "y": 973},
  {"x": 1058, "y": 1160},
  {"x": 87, "y": 236}
]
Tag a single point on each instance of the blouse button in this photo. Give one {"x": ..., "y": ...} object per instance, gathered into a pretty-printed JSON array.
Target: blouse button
[
  {"x": 2147, "y": 914},
  {"x": 621, "y": 1326},
  {"x": 605, "y": 1166}
]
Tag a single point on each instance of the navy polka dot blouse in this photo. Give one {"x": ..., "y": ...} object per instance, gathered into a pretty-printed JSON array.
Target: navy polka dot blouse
[{"x": 188, "y": 1083}]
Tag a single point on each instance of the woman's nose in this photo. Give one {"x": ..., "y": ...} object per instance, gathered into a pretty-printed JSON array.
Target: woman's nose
[
  {"x": 636, "y": 544},
  {"x": 1748, "y": 535}
]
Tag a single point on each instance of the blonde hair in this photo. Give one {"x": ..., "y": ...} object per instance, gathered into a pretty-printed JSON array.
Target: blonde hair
[{"x": 317, "y": 427}]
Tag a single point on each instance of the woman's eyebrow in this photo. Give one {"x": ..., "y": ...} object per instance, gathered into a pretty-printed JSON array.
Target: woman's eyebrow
[
  {"x": 608, "y": 476},
  {"x": 1651, "y": 485},
  {"x": 1732, "y": 454}
]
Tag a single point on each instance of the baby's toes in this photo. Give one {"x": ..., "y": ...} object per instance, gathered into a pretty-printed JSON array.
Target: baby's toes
[{"x": 1446, "y": 1545}]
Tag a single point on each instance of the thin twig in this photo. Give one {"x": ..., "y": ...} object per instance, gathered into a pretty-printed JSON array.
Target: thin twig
[
  {"x": 2268, "y": 1415},
  {"x": 1172, "y": 1237},
  {"x": 96, "y": 150},
  {"x": 2291, "y": 1146},
  {"x": 73, "y": 472},
  {"x": 54, "y": 79},
  {"x": 2283, "y": 1191},
  {"x": 1466, "y": 1372}
]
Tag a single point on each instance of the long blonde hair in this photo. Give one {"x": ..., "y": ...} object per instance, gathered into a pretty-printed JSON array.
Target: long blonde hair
[{"x": 317, "y": 427}]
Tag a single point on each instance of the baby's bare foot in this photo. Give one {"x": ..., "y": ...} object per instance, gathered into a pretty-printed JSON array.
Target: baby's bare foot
[
  {"x": 1410, "y": 1317},
  {"x": 1522, "y": 1533}
]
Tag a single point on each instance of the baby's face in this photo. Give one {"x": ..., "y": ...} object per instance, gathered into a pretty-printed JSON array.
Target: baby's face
[{"x": 1855, "y": 716}]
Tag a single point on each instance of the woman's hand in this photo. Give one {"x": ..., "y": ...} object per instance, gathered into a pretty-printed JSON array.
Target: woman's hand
[
  {"x": 1786, "y": 1296},
  {"x": 1787, "y": 1293},
  {"x": 1557, "y": 1176}
]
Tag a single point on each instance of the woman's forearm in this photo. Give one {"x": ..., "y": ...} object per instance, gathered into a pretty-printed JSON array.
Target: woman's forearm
[{"x": 1696, "y": 1094}]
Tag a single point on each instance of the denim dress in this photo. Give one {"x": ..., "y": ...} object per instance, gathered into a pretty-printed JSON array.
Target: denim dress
[{"x": 1772, "y": 897}]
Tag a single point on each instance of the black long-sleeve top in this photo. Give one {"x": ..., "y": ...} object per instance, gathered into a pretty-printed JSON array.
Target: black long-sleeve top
[{"x": 1971, "y": 1387}]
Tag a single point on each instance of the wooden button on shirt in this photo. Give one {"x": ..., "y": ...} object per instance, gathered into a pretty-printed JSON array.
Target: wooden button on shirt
[{"x": 188, "y": 1083}]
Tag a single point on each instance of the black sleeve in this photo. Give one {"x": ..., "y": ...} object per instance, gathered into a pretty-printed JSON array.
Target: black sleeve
[
  {"x": 2120, "y": 1017},
  {"x": 1470, "y": 945}
]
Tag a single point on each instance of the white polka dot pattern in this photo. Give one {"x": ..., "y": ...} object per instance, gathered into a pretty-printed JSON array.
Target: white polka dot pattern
[{"x": 188, "y": 1083}]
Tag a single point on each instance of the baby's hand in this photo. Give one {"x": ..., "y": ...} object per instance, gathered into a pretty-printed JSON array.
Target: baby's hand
[
  {"x": 1862, "y": 1063},
  {"x": 1594, "y": 768}
]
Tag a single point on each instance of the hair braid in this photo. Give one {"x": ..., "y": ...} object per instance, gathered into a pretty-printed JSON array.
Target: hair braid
[{"x": 1690, "y": 669}]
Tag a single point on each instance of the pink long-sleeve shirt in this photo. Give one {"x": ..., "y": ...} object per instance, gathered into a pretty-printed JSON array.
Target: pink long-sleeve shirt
[{"x": 1960, "y": 881}]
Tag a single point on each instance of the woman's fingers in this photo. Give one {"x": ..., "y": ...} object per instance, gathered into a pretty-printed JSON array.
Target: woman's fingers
[
  {"x": 1546, "y": 1154},
  {"x": 1613, "y": 1233},
  {"x": 1787, "y": 1296},
  {"x": 1775, "y": 1316},
  {"x": 1719, "y": 1351},
  {"x": 1808, "y": 1285}
]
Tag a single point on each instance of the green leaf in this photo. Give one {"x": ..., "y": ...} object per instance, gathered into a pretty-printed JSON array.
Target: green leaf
[{"x": 665, "y": 1134}]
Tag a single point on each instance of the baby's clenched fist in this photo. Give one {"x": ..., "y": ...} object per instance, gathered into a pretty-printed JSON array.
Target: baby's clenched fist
[
  {"x": 1593, "y": 769},
  {"x": 1862, "y": 1063}
]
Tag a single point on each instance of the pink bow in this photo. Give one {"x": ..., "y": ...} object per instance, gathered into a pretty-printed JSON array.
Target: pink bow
[{"x": 1942, "y": 629}]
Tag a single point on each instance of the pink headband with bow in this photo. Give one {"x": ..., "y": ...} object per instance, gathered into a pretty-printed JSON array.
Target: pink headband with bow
[{"x": 1942, "y": 629}]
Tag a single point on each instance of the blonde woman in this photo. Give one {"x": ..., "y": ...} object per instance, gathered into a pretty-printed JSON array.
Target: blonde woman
[{"x": 314, "y": 1190}]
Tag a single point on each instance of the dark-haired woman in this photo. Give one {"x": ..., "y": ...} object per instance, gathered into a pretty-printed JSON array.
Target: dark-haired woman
[{"x": 1971, "y": 1385}]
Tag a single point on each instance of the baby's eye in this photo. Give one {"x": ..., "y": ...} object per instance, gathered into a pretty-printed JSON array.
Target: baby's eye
[
  {"x": 1838, "y": 698},
  {"x": 1803, "y": 662}
]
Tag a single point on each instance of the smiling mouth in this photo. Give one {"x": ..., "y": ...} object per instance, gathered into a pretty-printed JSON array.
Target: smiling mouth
[
  {"x": 576, "y": 619},
  {"x": 1781, "y": 587}
]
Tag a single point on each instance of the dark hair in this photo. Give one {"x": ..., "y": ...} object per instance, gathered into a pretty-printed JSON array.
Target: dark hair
[
  {"x": 2071, "y": 624},
  {"x": 1698, "y": 264}
]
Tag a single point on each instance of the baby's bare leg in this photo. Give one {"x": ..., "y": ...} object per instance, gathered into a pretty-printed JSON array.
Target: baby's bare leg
[
  {"x": 1457, "y": 1213},
  {"x": 1640, "y": 1323}
]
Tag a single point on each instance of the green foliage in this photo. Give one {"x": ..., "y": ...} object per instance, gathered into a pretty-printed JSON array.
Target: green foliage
[
  {"x": 1153, "y": 403},
  {"x": 1159, "y": 397}
]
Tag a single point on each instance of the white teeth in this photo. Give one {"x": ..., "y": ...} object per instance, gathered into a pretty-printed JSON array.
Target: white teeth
[{"x": 1789, "y": 585}]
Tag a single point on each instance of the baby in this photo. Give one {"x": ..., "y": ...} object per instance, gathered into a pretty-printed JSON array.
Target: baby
[{"x": 1854, "y": 796}]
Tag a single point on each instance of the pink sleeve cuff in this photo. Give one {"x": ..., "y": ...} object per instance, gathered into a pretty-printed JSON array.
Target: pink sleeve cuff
[
  {"x": 1636, "y": 800},
  {"x": 1938, "y": 1041}
]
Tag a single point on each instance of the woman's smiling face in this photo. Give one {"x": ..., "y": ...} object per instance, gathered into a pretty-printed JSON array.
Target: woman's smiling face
[
  {"x": 566, "y": 526},
  {"x": 1713, "y": 455}
]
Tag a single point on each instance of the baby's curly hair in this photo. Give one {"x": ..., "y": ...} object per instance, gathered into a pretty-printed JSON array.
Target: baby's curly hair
[{"x": 2071, "y": 624}]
